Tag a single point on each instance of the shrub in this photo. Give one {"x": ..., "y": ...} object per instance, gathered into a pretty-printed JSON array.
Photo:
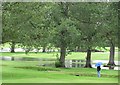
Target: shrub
[{"x": 57, "y": 64}]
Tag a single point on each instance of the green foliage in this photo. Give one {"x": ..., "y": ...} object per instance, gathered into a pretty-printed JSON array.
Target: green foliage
[
  {"x": 64, "y": 24},
  {"x": 57, "y": 64},
  {"x": 30, "y": 23},
  {"x": 52, "y": 18},
  {"x": 66, "y": 32},
  {"x": 109, "y": 24}
]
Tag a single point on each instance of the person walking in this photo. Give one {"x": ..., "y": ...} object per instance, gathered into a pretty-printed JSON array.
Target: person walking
[
  {"x": 98, "y": 65},
  {"x": 98, "y": 70}
]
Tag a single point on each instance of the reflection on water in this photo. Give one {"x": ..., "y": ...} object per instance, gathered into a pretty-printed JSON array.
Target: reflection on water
[
  {"x": 68, "y": 63},
  {"x": 74, "y": 63},
  {"x": 108, "y": 67},
  {"x": 8, "y": 58},
  {"x": 111, "y": 67}
]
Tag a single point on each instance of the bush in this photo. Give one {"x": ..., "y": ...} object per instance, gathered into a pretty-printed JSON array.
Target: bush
[{"x": 57, "y": 64}]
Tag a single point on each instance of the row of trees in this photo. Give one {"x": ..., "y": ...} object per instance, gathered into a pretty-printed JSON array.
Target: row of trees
[{"x": 64, "y": 25}]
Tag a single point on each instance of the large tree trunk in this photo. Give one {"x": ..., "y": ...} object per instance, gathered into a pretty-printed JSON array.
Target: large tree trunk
[
  {"x": 44, "y": 49},
  {"x": 62, "y": 56},
  {"x": 12, "y": 47},
  {"x": 112, "y": 54},
  {"x": 27, "y": 51},
  {"x": 78, "y": 49},
  {"x": 88, "y": 59}
]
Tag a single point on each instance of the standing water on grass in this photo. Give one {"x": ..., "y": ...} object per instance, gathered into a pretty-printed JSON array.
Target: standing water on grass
[{"x": 68, "y": 63}]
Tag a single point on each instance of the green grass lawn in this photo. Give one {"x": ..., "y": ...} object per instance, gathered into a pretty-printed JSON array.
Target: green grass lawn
[
  {"x": 72, "y": 55},
  {"x": 29, "y": 72}
]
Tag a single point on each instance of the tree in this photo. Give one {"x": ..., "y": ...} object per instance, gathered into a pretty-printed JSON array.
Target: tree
[
  {"x": 114, "y": 40},
  {"x": 64, "y": 25},
  {"x": 10, "y": 25},
  {"x": 87, "y": 18},
  {"x": 26, "y": 24},
  {"x": 64, "y": 32},
  {"x": 110, "y": 28}
]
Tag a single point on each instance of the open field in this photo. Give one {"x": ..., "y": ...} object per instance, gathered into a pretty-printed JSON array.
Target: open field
[
  {"x": 31, "y": 72},
  {"x": 28, "y": 72},
  {"x": 72, "y": 55}
]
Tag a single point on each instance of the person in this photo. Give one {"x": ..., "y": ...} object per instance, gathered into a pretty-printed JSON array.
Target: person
[{"x": 98, "y": 71}]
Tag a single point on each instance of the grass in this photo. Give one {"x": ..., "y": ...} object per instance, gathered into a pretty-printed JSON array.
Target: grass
[
  {"x": 30, "y": 72},
  {"x": 72, "y": 55},
  {"x": 27, "y": 71}
]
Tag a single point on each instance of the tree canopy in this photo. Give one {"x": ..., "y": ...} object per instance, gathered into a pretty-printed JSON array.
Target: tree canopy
[{"x": 65, "y": 25}]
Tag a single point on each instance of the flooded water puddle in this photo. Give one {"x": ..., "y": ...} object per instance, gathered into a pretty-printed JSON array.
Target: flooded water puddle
[
  {"x": 68, "y": 63},
  {"x": 8, "y": 58}
]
